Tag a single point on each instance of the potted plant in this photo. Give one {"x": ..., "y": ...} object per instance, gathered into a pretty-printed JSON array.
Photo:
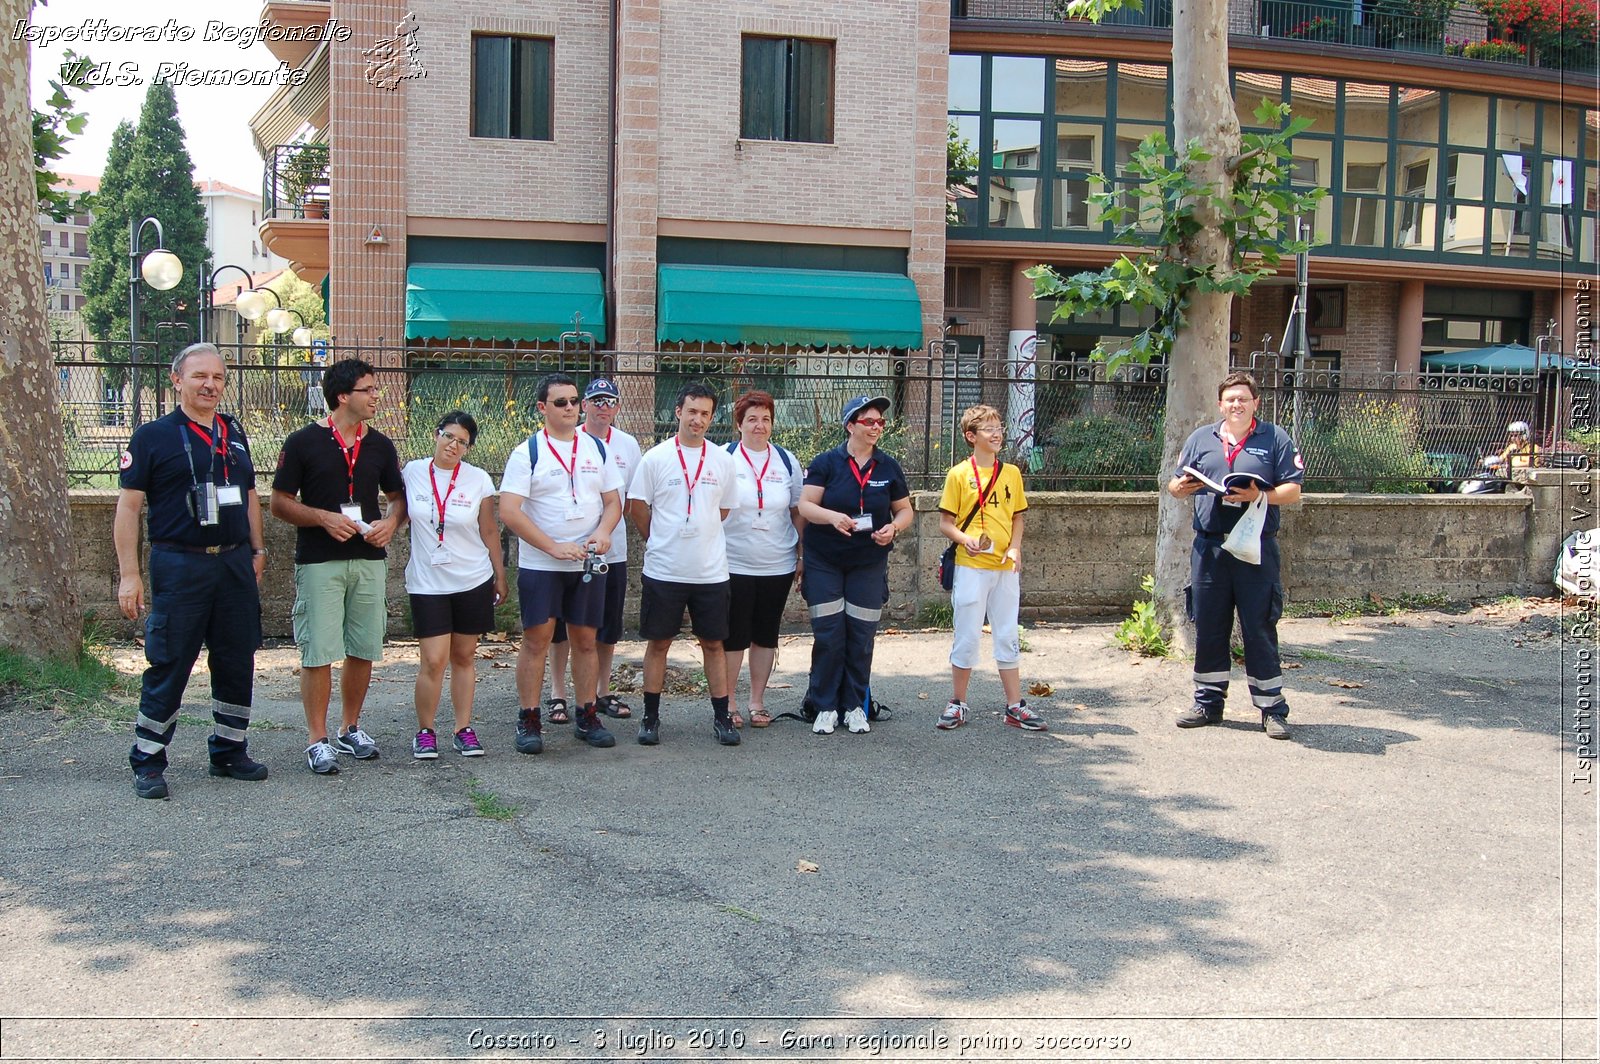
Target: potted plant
[
  {"x": 1412, "y": 25},
  {"x": 304, "y": 174}
]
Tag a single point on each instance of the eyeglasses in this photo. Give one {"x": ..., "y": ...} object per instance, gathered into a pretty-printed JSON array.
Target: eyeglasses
[
  {"x": 562, "y": 403},
  {"x": 603, "y": 402},
  {"x": 447, "y": 437},
  {"x": 371, "y": 389},
  {"x": 871, "y": 422}
]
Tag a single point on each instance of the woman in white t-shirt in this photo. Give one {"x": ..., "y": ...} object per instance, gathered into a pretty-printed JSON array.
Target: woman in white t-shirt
[
  {"x": 763, "y": 537},
  {"x": 456, "y": 577}
]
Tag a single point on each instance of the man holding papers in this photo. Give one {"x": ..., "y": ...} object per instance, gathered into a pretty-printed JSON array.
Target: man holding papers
[{"x": 1226, "y": 467}]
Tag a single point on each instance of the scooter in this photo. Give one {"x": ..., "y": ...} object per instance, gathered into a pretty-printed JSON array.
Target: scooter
[{"x": 1489, "y": 480}]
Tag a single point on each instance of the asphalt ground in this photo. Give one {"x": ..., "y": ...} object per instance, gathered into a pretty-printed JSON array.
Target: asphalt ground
[{"x": 1411, "y": 876}]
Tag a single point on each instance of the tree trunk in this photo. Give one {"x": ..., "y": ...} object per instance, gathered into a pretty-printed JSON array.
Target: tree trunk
[
  {"x": 39, "y": 611},
  {"x": 1203, "y": 110}
]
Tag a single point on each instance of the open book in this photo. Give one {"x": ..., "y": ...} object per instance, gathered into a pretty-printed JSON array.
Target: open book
[{"x": 1229, "y": 482}]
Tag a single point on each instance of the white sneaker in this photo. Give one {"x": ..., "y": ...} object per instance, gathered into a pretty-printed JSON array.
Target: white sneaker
[
  {"x": 826, "y": 721},
  {"x": 856, "y": 721}
]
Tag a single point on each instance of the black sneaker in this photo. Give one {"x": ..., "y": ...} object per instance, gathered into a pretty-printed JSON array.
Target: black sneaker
[
  {"x": 649, "y": 730},
  {"x": 727, "y": 734},
  {"x": 529, "y": 738},
  {"x": 590, "y": 730},
  {"x": 1275, "y": 725},
  {"x": 149, "y": 785},
  {"x": 238, "y": 766},
  {"x": 1198, "y": 717}
]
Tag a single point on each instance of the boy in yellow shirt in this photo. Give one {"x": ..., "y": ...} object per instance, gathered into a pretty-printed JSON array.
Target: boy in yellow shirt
[{"x": 982, "y": 513}]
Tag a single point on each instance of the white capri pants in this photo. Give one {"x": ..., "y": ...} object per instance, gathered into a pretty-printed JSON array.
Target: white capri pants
[{"x": 974, "y": 594}]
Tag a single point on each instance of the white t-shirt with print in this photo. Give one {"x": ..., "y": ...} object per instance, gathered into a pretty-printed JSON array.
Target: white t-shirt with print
[
  {"x": 760, "y": 533},
  {"x": 466, "y": 563},
  {"x": 622, "y": 451},
  {"x": 686, "y": 544},
  {"x": 563, "y": 496}
]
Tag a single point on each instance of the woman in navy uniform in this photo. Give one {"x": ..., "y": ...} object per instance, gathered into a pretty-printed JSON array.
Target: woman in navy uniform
[
  {"x": 1221, "y": 584},
  {"x": 206, "y": 559},
  {"x": 855, "y": 502}
]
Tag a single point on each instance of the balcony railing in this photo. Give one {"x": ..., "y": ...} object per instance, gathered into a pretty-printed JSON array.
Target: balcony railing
[
  {"x": 1464, "y": 36},
  {"x": 295, "y": 182}
]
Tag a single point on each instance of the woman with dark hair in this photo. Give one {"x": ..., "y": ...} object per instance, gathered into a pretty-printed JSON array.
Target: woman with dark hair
[
  {"x": 456, "y": 577},
  {"x": 763, "y": 535},
  {"x": 855, "y": 502}
]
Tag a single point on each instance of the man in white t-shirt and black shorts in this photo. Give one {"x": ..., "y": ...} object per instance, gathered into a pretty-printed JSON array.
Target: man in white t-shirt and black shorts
[
  {"x": 600, "y": 401},
  {"x": 562, "y": 499},
  {"x": 679, "y": 497}
]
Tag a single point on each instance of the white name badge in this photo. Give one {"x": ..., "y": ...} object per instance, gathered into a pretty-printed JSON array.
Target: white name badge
[
  {"x": 863, "y": 522},
  {"x": 352, "y": 510},
  {"x": 761, "y": 523},
  {"x": 441, "y": 556},
  {"x": 575, "y": 513},
  {"x": 229, "y": 495},
  {"x": 689, "y": 531}
]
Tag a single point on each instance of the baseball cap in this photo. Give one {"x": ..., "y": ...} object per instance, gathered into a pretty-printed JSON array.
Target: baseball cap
[
  {"x": 602, "y": 388},
  {"x": 854, "y": 407}
]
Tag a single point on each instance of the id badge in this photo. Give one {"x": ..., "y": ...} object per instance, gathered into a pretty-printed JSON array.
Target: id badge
[
  {"x": 689, "y": 531},
  {"x": 863, "y": 522},
  {"x": 352, "y": 510},
  {"x": 230, "y": 495},
  {"x": 442, "y": 556},
  {"x": 761, "y": 523},
  {"x": 575, "y": 513}
]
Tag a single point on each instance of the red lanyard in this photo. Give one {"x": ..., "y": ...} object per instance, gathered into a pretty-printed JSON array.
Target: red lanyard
[
  {"x": 983, "y": 495},
  {"x": 1230, "y": 455},
  {"x": 572, "y": 471},
  {"x": 689, "y": 484},
  {"x": 862, "y": 478},
  {"x": 440, "y": 502},
  {"x": 352, "y": 454},
  {"x": 761, "y": 503},
  {"x": 220, "y": 447}
]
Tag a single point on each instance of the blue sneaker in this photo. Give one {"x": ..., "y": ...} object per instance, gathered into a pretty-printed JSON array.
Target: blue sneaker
[{"x": 466, "y": 743}]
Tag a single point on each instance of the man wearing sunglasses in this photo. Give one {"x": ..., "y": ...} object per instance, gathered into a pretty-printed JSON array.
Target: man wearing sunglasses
[
  {"x": 600, "y": 404},
  {"x": 329, "y": 477},
  {"x": 562, "y": 499}
]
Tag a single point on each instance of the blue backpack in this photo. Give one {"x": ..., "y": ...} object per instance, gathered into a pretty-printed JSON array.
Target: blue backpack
[
  {"x": 533, "y": 450},
  {"x": 788, "y": 459}
]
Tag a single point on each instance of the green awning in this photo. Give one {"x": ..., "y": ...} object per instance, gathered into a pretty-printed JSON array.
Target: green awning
[
  {"x": 762, "y": 305},
  {"x": 453, "y": 302}
]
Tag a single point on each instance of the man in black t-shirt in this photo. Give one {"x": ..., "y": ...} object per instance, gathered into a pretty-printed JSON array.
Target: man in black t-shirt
[
  {"x": 192, "y": 468},
  {"x": 338, "y": 468}
]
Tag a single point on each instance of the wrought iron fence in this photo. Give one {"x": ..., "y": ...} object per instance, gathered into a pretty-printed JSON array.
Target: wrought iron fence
[{"x": 1071, "y": 426}]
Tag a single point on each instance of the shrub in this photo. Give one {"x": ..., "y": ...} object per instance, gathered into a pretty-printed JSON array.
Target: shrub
[
  {"x": 1370, "y": 445},
  {"x": 1141, "y": 632},
  {"x": 1104, "y": 452}
]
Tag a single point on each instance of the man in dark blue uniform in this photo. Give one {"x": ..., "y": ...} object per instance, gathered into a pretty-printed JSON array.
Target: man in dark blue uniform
[
  {"x": 206, "y": 560},
  {"x": 1220, "y": 583}
]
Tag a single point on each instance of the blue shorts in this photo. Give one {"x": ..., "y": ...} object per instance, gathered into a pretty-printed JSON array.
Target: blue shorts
[
  {"x": 610, "y": 633},
  {"x": 545, "y": 595}
]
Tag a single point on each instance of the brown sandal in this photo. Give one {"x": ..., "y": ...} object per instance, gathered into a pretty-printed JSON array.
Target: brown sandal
[
  {"x": 738, "y": 721},
  {"x": 556, "y": 711},
  {"x": 614, "y": 707},
  {"x": 760, "y": 718}
]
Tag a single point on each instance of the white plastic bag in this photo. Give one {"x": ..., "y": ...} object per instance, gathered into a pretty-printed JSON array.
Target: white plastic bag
[{"x": 1244, "y": 542}]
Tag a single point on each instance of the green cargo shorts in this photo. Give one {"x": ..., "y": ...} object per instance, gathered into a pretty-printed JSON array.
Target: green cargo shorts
[{"x": 339, "y": 611}]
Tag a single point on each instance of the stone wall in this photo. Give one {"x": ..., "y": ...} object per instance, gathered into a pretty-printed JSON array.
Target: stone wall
[{"x": 1087, "y": 551}]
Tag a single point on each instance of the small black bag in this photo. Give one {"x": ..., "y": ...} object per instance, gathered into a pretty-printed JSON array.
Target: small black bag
[{"x": 947, "y": 560}]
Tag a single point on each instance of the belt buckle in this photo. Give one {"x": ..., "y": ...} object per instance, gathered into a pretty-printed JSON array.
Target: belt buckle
[{"x": 214, "y": 550}]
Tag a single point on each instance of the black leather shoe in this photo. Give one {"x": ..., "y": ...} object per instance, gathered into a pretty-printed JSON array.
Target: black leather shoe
[
  {"x": 149, "y": 785},
  {"x": 1196, "y": 717},
  {"x": 590, "y": 730},
  {"x": 238, "y": 767},
  {"x": 727, "y": 734},
  {"x": 649, "y": 731},
  {"x": 530, "y": 739}
]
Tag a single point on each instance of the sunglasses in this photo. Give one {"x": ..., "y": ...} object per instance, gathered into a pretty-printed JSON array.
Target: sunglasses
[
  {"x": 562, "y": 403},
  {"x": 604, "y": 402},
  {"x": 871, "y": 422}
]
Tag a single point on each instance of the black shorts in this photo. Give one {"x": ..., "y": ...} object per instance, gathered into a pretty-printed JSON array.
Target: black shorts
[
  {"x": 610, "y": 632},
  {"x": 662, "y": 602},
  {"x": 755, "y": 609},
  {"x": 547, "y": 594},
  {"x": 464, "y": 613}
]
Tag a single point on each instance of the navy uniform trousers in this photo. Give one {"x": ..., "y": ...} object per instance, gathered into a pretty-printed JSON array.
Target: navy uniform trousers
[
  {"x": 1220, "y": 585},
  {"x": 845, "y": 605},
  {"x": 198, "y": 600}
]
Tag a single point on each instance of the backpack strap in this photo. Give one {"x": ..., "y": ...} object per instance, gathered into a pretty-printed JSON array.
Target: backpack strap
[
  {"x": 533, "y": 453},
  {"x": 788, "y": 459}
]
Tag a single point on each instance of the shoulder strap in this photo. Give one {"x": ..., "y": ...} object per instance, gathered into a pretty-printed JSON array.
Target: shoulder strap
[
  {"x": 600, "y": 444},
  {"x": 533, "y": 452},
  {"x": 788, "y": 462}
]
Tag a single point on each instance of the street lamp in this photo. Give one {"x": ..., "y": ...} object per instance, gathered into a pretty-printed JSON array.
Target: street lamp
[
  {"x": 206, "y": 307},
  {"x": 161, "y": 270}
]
